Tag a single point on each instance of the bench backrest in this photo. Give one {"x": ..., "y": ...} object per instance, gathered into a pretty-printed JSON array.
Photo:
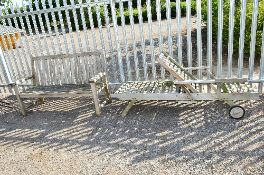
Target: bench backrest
[{"x": 62, "y": 69}]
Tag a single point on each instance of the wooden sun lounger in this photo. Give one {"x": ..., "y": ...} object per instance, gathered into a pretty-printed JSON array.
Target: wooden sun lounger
[{"x": 185, "y": 88}]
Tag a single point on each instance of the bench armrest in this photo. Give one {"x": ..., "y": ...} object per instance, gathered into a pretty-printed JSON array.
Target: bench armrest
[
  {"x": 24, "y": 79},
  {"x": 97, "y": 78}
]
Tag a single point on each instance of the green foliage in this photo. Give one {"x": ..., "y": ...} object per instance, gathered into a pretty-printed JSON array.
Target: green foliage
[
  {"x": 5, "y": 3},
  {"x": 237, "y": 15}
]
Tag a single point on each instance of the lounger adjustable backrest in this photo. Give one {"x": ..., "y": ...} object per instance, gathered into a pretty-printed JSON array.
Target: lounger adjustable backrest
[{"x": 176, "y": 70}]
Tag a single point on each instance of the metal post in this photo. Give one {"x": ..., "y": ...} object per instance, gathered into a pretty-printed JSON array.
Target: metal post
[{"x": 7, "y": 73}]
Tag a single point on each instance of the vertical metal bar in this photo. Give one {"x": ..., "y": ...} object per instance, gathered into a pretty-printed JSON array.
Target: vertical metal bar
[
  {"x": 11, "y": 66},
  {"x": 32, "y": 37},
  {"x": 179, "y": 30},
  {"x": 16, "y": 54},
  {"x": 139, "y": 7},
  {"x": 49, "y": 28},
  {"x": 253, "y": 39},
  {"x": 12, "y": 62},
  {"x": 189, "y": 33},
  {"x": 109, "y": 35},
  {"x": 46, "y": 45},
  {"x": 27, "y": 62},
  {"x": 261, "y": 67},
  {"x": 125, "y": 38},
  {"x": 151, "y": 39},
  {"x": 6, "y": 71},
  {"x": 209, "y": 37},
  {"x": 168, "y": 15},
  {"x": 120, "y": 62},
  {"x": 242, "y": 37},
  {"x": 42, "y": 28},
  {"x": 158, "y": 11},
  {"x": 3, "y": 80},
  {"x": 55, "y": 27},
  {"x": 23, "y": 65},
  {"x": 40, "y": 46},
  {"x": 97, "y": 9},
  {"x": 219, "y": 39},
  {"x": 209, "y": 42},
  {"x": 77, "y": 27},
  {"x": 62, "y": 25},
  {"x": 131, "y": 17},
  {"x": 84, "y": 26},
  {"x": 90, "y": 14},
  {"x": 107, "y": 23},
  {"x": 230, "y": 38},
  {"x": 49, "y": 65},
  {"x": 69, "y": 26},
  {"x": 199, "y": 38}
]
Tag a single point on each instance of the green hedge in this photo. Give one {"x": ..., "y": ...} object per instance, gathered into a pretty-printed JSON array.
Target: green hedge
[
  {"x": 153, "y": 11},
  {"x": 237, "y": 23}
]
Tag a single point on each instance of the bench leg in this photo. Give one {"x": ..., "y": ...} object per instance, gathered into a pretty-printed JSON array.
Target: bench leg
[
  {"x": 96, "y": 99},
  {"x": 106, "y": 90},
  {"x": 128, "y": 107},
  {"x": 20, "y": 102}
]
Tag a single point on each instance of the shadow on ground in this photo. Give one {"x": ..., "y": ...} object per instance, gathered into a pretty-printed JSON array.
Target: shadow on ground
[{"x": 194, "y": 133}]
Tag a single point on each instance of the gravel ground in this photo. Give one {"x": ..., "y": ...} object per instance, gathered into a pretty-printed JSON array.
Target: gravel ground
[{"x": 63, "y": 136}]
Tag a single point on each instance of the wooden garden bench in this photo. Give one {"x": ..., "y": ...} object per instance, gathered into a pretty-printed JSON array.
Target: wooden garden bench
[{"x": 64, "y": 75}]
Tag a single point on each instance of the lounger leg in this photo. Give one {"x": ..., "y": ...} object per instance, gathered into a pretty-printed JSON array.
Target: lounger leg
[
  {"x": 20, "y": 102},
  {"x": 96, "y": 99},
  {"x": 106, "y": 90},
  {"x": 41, "y": 100},
  {"x": 129, "y": 106}
]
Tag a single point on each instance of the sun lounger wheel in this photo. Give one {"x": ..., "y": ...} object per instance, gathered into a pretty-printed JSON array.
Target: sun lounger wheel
[{"x": 236, "y": 112}]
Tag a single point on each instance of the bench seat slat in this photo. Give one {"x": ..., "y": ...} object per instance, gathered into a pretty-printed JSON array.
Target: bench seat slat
[{"x": 57, "y": 91}]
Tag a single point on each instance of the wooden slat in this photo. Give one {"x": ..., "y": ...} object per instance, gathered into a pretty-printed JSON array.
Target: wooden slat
[
  {"x": 185, "y": 97},
  {"x": 56, "y": 94},
  {"x": 57, "y": 91}
]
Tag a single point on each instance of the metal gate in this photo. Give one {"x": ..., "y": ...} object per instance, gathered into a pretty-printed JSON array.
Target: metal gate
[{"x": 131, "y": 34}]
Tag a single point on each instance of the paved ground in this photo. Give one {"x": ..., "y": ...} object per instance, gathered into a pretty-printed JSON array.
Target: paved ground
[{"x": 65, "y": 137}]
